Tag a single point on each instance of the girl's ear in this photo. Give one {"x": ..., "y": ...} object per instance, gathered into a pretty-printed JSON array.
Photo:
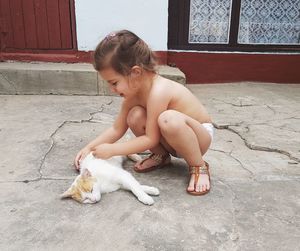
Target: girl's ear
[
  {"x": 135, "y": 74},
  {"x": 136, "y": 71}
]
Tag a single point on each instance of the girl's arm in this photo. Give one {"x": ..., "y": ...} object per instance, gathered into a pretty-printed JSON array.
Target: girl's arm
[
  {"x": 111, "y": 135},
  {"x": 157, "y": 103},
  {"x": 114, "y": 133}
]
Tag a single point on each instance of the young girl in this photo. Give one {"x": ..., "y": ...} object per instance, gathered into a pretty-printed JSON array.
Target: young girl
[{"x": 164, "y": 115}]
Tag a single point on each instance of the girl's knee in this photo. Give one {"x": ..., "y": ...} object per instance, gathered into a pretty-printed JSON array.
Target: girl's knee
[
  {"x": 135, "y": 116},
  {"x": 169, "y": 121}
]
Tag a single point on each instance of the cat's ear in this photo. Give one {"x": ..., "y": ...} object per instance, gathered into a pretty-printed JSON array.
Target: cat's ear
[
  {"x": 66, "y": 194},
  {"x": 85, "y": 173}
]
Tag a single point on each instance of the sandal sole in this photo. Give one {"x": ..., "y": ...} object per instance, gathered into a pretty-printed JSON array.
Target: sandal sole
[
  {"x": 146, "y": 170},
  {"x": 194, "y": 193}
]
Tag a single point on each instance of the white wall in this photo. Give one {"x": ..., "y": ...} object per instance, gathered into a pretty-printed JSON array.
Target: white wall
[{"x": 96, "y": 18}]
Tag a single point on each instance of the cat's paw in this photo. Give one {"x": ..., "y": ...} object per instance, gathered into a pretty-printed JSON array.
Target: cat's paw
[
  {"x": 147, "y": 200},
  {"x": 151, "y": 190},
  {"x": 89, "y": 201}
]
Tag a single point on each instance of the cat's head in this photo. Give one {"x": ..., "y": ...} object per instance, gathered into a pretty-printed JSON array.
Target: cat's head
[{"x": 84, "y": 188}]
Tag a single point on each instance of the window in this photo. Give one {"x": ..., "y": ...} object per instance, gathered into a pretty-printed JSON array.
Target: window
[
  {"x": 235, "y": 25},
  {"x": 209, "y": 21}
]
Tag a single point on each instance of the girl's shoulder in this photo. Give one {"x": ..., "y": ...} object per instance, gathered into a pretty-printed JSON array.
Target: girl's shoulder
[
  {"x": 162, "y": 92},
  {"x": 161, "y": 83},
  {"x": 166, "y": 87},
  {"x": 165, "y": 82}
]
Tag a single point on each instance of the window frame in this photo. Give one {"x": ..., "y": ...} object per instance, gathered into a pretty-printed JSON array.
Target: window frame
[{"x": 178, "y": 32}]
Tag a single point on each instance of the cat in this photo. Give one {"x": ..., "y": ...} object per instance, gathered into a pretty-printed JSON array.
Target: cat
[{"x": 99, "y": 176}]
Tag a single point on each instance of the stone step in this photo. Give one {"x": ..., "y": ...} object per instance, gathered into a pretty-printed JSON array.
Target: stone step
[{"x": 61, "y": 78}]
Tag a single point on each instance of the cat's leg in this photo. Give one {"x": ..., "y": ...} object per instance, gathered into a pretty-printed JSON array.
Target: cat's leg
[
  {"x": 150, "y": 190},
  {"x": 128, "y": 182}
]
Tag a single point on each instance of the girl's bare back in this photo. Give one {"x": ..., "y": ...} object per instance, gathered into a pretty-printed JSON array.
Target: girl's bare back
[{"x": 179, "y": 99}]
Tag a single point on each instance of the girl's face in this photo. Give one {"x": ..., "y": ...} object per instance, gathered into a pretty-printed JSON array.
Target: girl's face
[{"x": 118, "y": 83}]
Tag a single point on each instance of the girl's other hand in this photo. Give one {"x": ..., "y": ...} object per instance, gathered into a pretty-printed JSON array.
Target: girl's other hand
[
  {"x": 103, "y": 151},
  {"x": 80, "y": 156}
]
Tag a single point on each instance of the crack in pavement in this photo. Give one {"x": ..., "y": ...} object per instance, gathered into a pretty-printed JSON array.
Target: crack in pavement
[
  {"x": 34, "y": 180},
  {"x": 266, "y": 123},
  {"x": 283, "y": 177},
  {"x": 242, "y": 165},
  {"x": 40, "y": 174},
  {"x": 245, "y": 105},
  {"x": 255, "y": 147},
  {"x": 229, "y": 154},
  {"x": 273, "y": 110},
  {"x": 90, "y": 120},
  {"x": 236, "y": 105}
]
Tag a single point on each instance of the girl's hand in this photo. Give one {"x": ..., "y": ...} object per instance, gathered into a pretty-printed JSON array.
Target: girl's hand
[
  {"x": 80, "y": 156},
  {"x": 103, "y": 151}
]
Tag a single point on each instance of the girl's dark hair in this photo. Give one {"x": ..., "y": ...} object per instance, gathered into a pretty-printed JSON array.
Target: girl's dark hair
[{"x": 123, "y": 50}]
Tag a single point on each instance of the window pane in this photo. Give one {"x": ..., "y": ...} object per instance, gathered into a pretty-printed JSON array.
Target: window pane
[
  {"x": 209, "y": 21},
  {"x": 269, "y": 22}
]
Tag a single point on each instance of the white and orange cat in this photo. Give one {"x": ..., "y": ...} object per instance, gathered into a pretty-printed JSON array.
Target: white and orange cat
[{"x": 99, "y": 176}]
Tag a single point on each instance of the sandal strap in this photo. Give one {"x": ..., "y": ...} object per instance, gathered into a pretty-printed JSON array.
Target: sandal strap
[
  {"x": 203, "y": 170},
  {"x": 199, "y": 170},
  {"x": 159, "y": 158},
  {"x": 194, "y": 170}
]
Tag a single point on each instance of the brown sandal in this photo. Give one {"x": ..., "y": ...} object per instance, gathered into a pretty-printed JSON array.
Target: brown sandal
[
  {"x": 198, "y": 170},
  {"x": 162, "y": 160}
]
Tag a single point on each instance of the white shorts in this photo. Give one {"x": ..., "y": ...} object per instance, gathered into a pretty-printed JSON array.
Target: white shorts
[{"x": 210, "y": 128}]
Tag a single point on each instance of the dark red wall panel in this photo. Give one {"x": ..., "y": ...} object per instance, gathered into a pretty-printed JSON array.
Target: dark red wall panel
[
  {"x": 16, "y": 14},
  {"x": 37, "y": 24},
  {"x": 30, "y": 25},
  {"x": 235, "y": 67},
  {"x": 65, "y": 24},
  {"x": 54, "y": 28},
  {"x": 6, "y": 37},
  {"x": 41, "y": 24}
]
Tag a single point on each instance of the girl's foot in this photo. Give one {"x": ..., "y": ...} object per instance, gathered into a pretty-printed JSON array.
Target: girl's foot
[
  {"x": 154, "y": 161},
  {"x": 200, "y": 180}
]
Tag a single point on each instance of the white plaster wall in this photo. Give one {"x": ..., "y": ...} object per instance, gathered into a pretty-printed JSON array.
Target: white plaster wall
[{"x": 96, "y": 18}]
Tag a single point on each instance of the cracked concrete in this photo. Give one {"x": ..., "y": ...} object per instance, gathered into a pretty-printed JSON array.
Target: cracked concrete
[{"x": 253, "y": 205}]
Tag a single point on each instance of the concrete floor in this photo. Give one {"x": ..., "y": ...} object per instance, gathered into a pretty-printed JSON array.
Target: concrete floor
[{"x": 254, "y": 203}]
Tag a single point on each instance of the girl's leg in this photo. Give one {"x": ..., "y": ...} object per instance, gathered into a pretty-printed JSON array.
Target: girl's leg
[
  {"x": 136, "y": 121},
  {"x": 189, "y": 139}
]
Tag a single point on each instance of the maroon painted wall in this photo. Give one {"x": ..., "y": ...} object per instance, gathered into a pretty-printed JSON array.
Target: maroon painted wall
[
  {"x": 234, "y": 67},
  {"x": 37, "y": 24}
]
